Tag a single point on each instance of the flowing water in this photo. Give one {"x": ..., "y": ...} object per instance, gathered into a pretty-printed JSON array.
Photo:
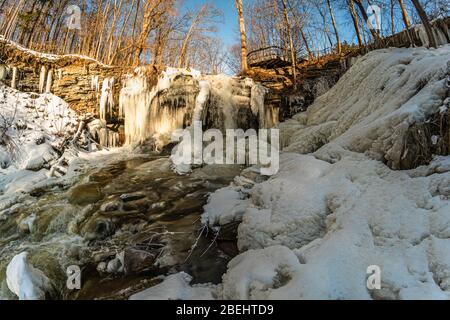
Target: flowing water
[{"x": 138, "y": 210}]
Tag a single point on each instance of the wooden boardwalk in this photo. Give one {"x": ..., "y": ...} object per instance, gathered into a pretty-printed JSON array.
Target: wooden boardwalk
[{"x": 269, "y": 57}]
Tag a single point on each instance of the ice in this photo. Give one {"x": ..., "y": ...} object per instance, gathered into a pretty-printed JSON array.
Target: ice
[
  {"x": 107, "y": 98},
  {"x": 147, "y": 114},
  {"x": 42, "y": 78},
  {"x": 143, "y": 117}
]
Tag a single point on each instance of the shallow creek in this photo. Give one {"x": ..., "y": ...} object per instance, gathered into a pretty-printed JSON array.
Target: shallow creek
[{"x": 123, "y": 224}]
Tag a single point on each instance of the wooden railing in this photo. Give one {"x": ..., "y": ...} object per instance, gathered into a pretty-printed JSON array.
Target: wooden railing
[{"x": 272, "y": 54}]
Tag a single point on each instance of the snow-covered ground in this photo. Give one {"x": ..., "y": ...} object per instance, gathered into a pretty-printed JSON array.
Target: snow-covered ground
[{"x": 335, "y": 208}]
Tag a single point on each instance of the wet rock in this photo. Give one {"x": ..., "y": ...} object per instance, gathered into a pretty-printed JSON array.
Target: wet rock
[
  {"x": 98, "y": 228},
  {"x": 116, "y": 265},
  {"x": 110, "y": 206},
  {"x": 26, "y": 225},
  {"x": 101, "y": 267},
  {"x": 102, "y": 256},
  {"x": 86, "y": 193},
  {"x": 136, "y": 260},
  {"x": 159, "y": 205},
  {"x": 127, "y": 197}
]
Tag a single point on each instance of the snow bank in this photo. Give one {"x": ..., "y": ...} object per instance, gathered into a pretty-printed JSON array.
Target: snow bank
[
  {"x": 176, "y": 287},
  {"x": 370, "y": 109},
  {"x": 33, "y": 128},
  {"x": 25, "y": 281}
]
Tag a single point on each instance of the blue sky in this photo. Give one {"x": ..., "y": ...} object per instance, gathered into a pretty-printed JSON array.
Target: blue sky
[{"x": 228, "y": 30}]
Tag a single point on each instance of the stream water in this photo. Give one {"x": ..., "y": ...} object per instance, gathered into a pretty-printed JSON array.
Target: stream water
[{"x": 137, "y": 212}]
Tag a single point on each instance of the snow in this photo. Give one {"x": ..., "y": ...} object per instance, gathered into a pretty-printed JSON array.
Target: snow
[
  {"x": 256, "y": 274},
  {"x": 176, "y": 287},
  {"x": 224, "y": 206},
  {"x": 34, "y": 125},
  {"x": 36, "y": 146},
  {"x": 25, "y": 281},
  {"x": 334, "y": 209}
]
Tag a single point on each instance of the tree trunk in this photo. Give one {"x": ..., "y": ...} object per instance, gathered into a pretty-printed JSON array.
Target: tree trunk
[
  {"x": 244, "y": 63},
  {"x": 392, "y": 18},
  {"x": 426, "y": 23},
  {"x": 149, "y": 9},
  {"x": 338, "y": 41},
  {"x": 354, "y": 16},
  {"x": 302, "y": 33},
  {"x": 187, "y": 38},
  {"x": 404, "y": 14},
  {"x": 38, "y": 17},
  {"x": 291, "y": 44},
  {"x": 375, "y": 34}
]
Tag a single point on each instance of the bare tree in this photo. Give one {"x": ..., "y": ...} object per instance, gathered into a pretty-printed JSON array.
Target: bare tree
[
  {"x": 244, "y": 63},
  {"x": 404, "y": 14},
  {"x": 425, "y": 22},
  {"x": 291, "y": 43},
  {"x": 354, "y": 16},
  {"x": 338, "y": 42}
]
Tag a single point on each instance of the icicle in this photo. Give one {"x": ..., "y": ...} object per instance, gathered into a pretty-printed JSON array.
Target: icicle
[
  {"x": 201, "y": 99},
  {"x": 14, "y": 78},
  {"x": 60, "y": 74},
  {"x": 3, "y": 72},
  {"x": 258, "y": 94},
  {"x": 95, "y": 85},
  {"x": 107, "y": 98},
  {"x": 146, "y": 116},
  {"x": 48, "y": 87},
  {"x": 42, "y": 77}
]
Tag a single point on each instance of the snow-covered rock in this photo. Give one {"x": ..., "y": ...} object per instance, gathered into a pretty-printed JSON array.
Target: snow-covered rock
[
  {"x": 177, "y": 287},
  {"x": 25, "y": 281},
  {"x": 34, "y": 129},
  {"x": 224, "y": 206}
]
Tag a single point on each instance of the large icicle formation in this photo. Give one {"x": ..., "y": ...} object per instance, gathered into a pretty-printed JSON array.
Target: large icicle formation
[
  {"x": 312, "y": 230},
  {"x": 106, "y": 98},
  {"x": 181, "y": 96}
]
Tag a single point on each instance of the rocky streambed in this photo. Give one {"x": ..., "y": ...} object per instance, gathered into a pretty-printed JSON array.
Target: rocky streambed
[{"x": 123, "y": 225}]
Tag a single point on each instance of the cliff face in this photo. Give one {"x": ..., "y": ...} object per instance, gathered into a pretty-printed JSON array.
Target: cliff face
[{"x": 76, "y": 79}]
